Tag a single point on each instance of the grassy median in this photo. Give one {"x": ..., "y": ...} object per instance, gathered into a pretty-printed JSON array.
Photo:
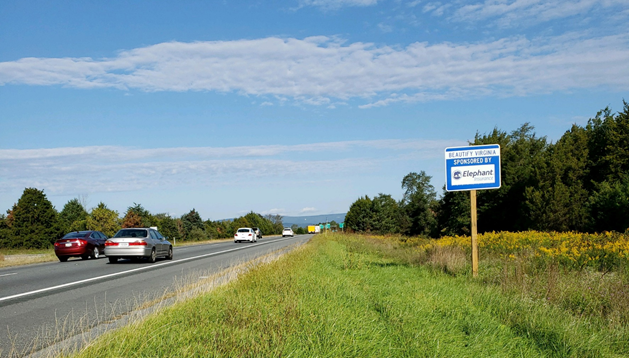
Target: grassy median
[{"x": 341, "y": 296}]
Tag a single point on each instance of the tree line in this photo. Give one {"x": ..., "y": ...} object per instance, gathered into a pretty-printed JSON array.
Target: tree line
[
  {"x": 33, "y": 222},
  {"x": 579, "y": 183}
]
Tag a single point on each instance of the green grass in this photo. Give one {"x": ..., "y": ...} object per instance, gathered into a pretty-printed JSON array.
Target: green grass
[{"x": 340, "y": 296}]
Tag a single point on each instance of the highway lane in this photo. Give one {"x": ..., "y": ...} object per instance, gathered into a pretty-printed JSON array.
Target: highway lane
[{"x": 44, "y": 300}]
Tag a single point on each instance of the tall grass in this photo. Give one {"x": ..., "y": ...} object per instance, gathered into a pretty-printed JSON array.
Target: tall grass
[{"x": 350, "y": 296}]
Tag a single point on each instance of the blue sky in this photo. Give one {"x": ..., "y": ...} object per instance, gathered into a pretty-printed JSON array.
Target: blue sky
[{"x": 290, "y": 107}]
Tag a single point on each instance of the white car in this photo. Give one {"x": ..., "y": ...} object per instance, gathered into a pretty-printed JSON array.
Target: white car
[
  {"x": 245, "y": 234},
  {"x": 288, "y": 232}
]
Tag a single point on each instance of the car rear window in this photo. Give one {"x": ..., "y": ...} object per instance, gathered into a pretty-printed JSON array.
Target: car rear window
[
  {"x": 131, "y": 233},
  {"x": 243, "y": 230},
  {"x": 76, "y": 234}
]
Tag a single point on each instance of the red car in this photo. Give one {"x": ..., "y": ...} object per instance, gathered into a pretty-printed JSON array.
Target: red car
[{"x": 84, "y": 244}]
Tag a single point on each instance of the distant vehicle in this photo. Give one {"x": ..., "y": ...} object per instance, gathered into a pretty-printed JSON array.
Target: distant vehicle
[
  {"x": 258, "y": 232},
  {"x": 144, "y": 243},
  {"x": 245, "y": 234},
  {"x": 313, "y": 229},
  {"x": 288, "y": 232},
  {"x": 84, "y": 244}
]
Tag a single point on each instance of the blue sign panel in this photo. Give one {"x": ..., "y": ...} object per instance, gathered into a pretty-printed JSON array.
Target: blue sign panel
[{"x": 472, "y": 168}]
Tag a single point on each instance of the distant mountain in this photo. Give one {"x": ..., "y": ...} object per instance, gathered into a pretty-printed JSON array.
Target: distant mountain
[{"x": 304, "y": 221}]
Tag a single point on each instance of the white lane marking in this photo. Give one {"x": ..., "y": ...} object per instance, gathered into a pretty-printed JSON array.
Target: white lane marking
[
  {"x": 9, "y": 274},
  {"x": 128, "y": 271}
]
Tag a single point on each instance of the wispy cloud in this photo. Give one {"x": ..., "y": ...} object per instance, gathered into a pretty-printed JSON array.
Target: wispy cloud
[
  {"x": 509, "y": 13},
  {"x": 324, "y": 70},
  {"x": 104, "y": 169},
  {"x": 336, "y": 4}
]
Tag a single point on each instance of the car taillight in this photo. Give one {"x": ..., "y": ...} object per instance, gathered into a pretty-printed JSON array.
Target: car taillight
[
  {"x": 57, "y": 244},
  {"x": 81, "y": 242},
  {"x": 110, "y": 243},
  {"x": 138, "y": 243},
  {"x": 249, "y": 234}
]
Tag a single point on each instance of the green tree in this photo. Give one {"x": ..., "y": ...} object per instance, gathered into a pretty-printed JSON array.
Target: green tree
[
  {"x": 521, "y": 152},
  {"x": 191, "y": 221},
  {"x": 36, "y": 223},
  {"x": 238, "y": 223},
  {"x": 608, "y": 144},
  {"x": 385, "y": 211},
  {"x": 609, "y": 206},
  {"x": 265, "y": 225},
  {"x": 73, "y": 215},
  {"x": 453, "y": 214},
  {"x": 5, "y": 232},
  {"x": 167, "y": 226},
  {"x": 359, "y": 218},
  {"x": 103, "y": 219},
  {"x": 419, "y": 203},
  {"x": 559, "y": 199},
  {"x": 276, "y": 221}
]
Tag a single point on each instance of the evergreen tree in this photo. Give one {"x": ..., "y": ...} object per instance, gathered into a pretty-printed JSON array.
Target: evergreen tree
[
  {"x": 190, "y": 221},
  {"x": 608, "y": 144},
  {"x": 167, "y": 226},
  {"x": 36, "y": 223},
  {"x": 505, "y": 209},
  {"x": 453, "y": 214},
  {"x": 73, "y": 215},
  {"x": 609, "y": 206},
  {"x": 559, "y": 200},
  {"x": 385, "y": 212},
  {"x": 359, "y": 218},
  {"x": 5, "y": 232},
  {"x": 419, "y": 203}
]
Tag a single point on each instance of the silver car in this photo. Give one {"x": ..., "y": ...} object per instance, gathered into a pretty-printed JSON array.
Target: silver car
[{"x": 138, "y": 243}]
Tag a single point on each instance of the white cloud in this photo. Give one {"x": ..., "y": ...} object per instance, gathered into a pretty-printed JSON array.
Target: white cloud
[
  {"x": 508, "y": 13},
  {"x": 322, "y": 70},
  {"x": 307, "y": 210},
  {"x": 336, "y": 4},
  {"x": 273, "y": 211},
  {"x": 105, "y": 169}
]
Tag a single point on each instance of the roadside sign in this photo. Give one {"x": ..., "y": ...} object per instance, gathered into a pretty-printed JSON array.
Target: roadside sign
[
  {"x": 473, "y": 167},
  {"x": 321, "y": 226},
  {"x": 327, "y": 226},
  {"x": 341, "y": 225}
]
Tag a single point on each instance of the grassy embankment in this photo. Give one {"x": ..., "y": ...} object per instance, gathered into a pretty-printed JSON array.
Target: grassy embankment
[{"x": 352, "y": 296}]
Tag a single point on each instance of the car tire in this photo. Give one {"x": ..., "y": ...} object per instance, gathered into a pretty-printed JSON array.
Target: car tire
[
  {"x": 95, "y": 253},
  {"x": 112, "y": 260},
  {"x": 85, "y": 257},
  {"x": 153, "y": 256},
  {"x": 170, "y": 254},
  {"x": 63, "y": 258}
]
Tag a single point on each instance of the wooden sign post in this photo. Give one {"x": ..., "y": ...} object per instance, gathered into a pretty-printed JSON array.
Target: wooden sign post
[
  {"x": 474, "y": 233},
  {"x": 471, "y": 168}
]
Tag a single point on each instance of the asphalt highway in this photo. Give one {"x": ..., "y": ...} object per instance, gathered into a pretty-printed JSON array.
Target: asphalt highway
[{"x": 44, "y": 303}]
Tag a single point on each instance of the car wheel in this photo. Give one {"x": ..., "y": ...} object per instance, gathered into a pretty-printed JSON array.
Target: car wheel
[
  {"x": 112, "y": 260},
  {"x": 170, "y": 254},
  {"x": 153, "y": 256},
  {"x": 63, "y": 258},
  {"x": 95, "y": 253},
  {"x": 85, "y": 257}
]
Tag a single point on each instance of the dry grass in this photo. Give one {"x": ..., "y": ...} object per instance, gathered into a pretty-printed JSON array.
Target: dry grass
[
  {"x": 449, "y": 259},
  {"x": 26, "y": 259}
]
